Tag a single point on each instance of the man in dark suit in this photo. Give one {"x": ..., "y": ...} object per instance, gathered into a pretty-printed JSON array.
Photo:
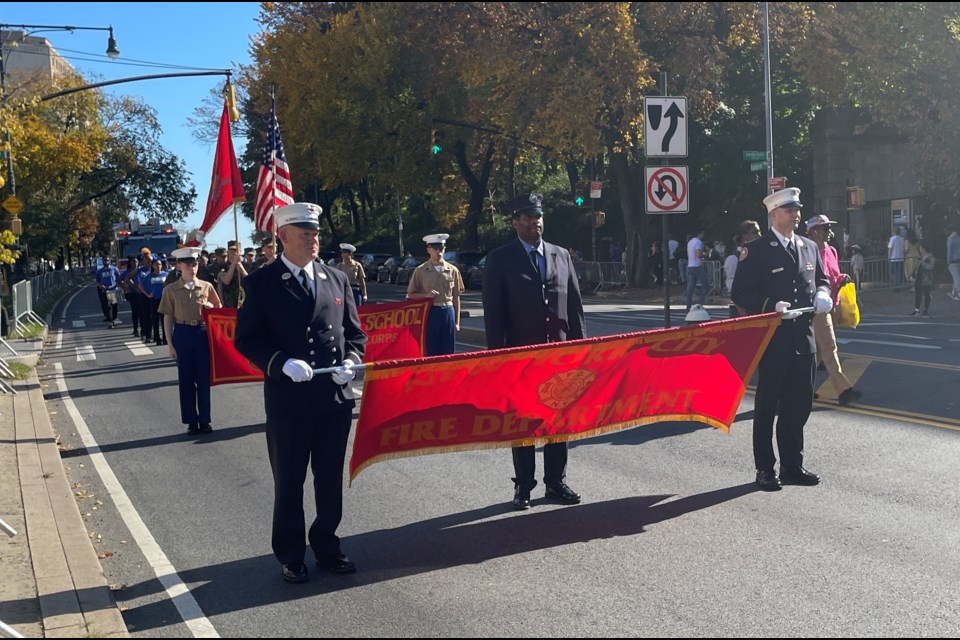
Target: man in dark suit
[
  {"x": 531, "y": 296},
  {"x": 781, "y": 271},
  {"x": 299, "y": 315}
]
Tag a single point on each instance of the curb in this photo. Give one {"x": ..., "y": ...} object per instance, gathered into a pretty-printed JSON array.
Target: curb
[{"x": 75, "y": 600}]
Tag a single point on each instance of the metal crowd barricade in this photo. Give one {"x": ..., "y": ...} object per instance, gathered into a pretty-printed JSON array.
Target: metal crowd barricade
[
  {"x": 599, "y": 276},
  {"x": 7, "y": 631},
  {"x": 875, "y": 275},
  {"x": 714, "y": 272}
]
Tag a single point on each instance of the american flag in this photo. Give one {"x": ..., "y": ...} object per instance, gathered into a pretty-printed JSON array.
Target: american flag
[{"x": 272, "y": 192}]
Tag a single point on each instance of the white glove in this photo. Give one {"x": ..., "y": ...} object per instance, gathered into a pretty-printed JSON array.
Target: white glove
[
  {"x": 297, "y": 370},
  {"x": 344, "y": 373},
  {"x": 822, "y": 302},
  {"x": 783, "y": 307}
]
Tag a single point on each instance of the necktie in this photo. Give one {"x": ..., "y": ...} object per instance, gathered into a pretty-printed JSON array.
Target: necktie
[
  {"x": 792, "y": 250},
  {"x": 536, "y": 263},
  {"x": 305, "y": 281}
]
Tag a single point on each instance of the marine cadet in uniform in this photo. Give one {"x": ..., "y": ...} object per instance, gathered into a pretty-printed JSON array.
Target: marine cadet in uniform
[
  {"x": 354, "y": 271},
  {"x": 782, "y": 271},
  {"x": 300, "y": 315},
  {"x": 231, "y": 276},
  {"x": 531, "y": 296},
  {"x": 181, "y": 304},
  {"x": 438, "y": 279}
]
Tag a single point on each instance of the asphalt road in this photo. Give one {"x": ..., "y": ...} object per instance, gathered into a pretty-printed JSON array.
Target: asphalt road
[{"x": 670, "y": 540}]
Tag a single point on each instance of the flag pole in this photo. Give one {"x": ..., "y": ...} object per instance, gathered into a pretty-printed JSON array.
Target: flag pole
[{"x": 273, "y": 170}]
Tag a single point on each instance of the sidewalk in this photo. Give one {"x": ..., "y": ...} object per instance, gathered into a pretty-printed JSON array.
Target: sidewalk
[
  {"x": 873, "y": 302},
  {"x": 51, "y": 582}
]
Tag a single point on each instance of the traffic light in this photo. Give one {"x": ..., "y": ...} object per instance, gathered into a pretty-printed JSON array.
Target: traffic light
[
  {"x": 856, "y": 198},
  {"x": 580, "y": 190},
  {"x": 436, "y": 142}
]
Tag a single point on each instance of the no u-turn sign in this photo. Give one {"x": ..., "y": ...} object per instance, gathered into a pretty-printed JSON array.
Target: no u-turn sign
[{"x": 667, "y": 190}]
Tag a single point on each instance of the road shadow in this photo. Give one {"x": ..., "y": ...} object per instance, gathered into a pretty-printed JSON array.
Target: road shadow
[
  {"x": 218, "y": 435},
  {"x": 455, "y": 540}
]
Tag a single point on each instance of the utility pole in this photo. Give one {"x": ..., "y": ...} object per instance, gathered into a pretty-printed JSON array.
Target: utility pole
[{"x": 768, "y": 102}]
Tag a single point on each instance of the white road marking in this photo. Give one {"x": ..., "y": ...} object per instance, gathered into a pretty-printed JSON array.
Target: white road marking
[
  {"x": 63, "y": 314},
  {"x": 86, "y": 352},
  {"x": 59, "y": 344},
  {"x": 91, "y": 315},
  {"x": 178, "y": 592},
  {"x": 138, "y": 348},
  {"x": 78, "y": 324},
  {"x": 888, "y": 344}
]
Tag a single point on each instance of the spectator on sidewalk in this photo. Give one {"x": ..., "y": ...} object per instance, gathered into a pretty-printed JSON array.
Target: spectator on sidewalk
[
  {"x": 696, "y": 274},
  {"x": 953, "y": 261},
  {"x": 911, "y": 253},
  {"x": 923, "y": 281},
  {"x": 673, "y": 245},
  {"x": 818, "y": 230},
  {"x": 856, "y": 265},
  {"x": 895, "y": 255}
]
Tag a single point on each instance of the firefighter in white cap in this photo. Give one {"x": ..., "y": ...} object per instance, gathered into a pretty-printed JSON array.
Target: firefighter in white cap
[
  {"x": 782, "y": 271},
  {"x": 438, "y": 279},
  {"x": 354, "y": 271},
  {"x": 299, "y": 316}
]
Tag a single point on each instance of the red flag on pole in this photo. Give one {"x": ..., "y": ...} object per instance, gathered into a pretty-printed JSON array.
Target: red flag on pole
[{"x": 226, "y": 186}]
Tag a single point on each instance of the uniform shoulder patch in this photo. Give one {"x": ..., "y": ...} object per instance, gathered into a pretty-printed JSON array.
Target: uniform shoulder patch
[{"x": 743, "y": 253}]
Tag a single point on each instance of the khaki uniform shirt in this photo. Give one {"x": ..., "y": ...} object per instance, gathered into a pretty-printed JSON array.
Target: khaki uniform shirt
[
  {"x": 447, "y": 281},
  {"x": 354, "y": 272},
  {"x": 184, "y": 305}
]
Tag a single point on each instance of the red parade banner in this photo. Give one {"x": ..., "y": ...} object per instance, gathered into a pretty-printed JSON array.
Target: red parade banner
[
  {"x": 559, "y": 391},
  {"x": 395, "y": 331}
]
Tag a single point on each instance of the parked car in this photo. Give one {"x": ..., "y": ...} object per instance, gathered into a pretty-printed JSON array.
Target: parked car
[
  {"x": 463, "y": 260},
  {"x": 406, "y": 269},
  {"x": 473, "y": 278},
  {"x": 371, "y": 262},
  {"x": 387, "y": 273}
]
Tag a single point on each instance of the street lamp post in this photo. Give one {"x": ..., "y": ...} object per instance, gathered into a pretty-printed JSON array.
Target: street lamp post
[{"x": 112, "y": 52}]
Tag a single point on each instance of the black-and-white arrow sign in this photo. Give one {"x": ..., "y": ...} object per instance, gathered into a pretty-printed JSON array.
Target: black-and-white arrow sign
[{"x": 665, "y": 127}]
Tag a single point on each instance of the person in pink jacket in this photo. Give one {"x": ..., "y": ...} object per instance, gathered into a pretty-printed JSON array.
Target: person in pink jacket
[{"x": 818, "y": 230}]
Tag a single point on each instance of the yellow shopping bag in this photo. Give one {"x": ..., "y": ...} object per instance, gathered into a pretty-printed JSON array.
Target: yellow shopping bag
[{"x": 849, "y": 312}]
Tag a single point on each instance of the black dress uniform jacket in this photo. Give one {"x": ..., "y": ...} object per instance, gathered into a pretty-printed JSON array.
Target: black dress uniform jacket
[
  {"x": 280, "y": 320},
  {"x": 767, "y": 275},
  {"x": 518, "y": 310}
]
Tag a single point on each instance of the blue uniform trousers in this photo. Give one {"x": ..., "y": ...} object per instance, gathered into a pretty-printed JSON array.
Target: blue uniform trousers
[
  {"x": 193, "y": 370},
  {"x": 357, "y": 295},
  {"x": 441, "y": 331},
  {"x": 294, "y": 442}
]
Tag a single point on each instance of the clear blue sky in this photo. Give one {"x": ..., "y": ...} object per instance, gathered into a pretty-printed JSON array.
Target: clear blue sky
[{"x": 196, "y": 34}]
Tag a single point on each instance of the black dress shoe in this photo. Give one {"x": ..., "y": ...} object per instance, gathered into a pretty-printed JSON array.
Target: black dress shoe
[
  {"x": 340, "y": 565},
  {"x": 521, "y": 498},
  {"x": 193, "y": 428},
  {"x": 295, "y": 573},
  {"x": 562, "y": 493},
  {"x": 206, "y": 428},
  {"x": 848, "y": 396},
  {"x": 798, "y": 475},
  {"x": 767, "y": 480}
]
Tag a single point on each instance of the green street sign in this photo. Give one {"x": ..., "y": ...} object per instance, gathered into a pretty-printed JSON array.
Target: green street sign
[
  {"x": 754, "y": 155},
  {"x": 758, "y": 166}
]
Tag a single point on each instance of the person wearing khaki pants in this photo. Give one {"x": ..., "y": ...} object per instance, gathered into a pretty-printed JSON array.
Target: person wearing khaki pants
[{"x": 818, "y": 230}]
